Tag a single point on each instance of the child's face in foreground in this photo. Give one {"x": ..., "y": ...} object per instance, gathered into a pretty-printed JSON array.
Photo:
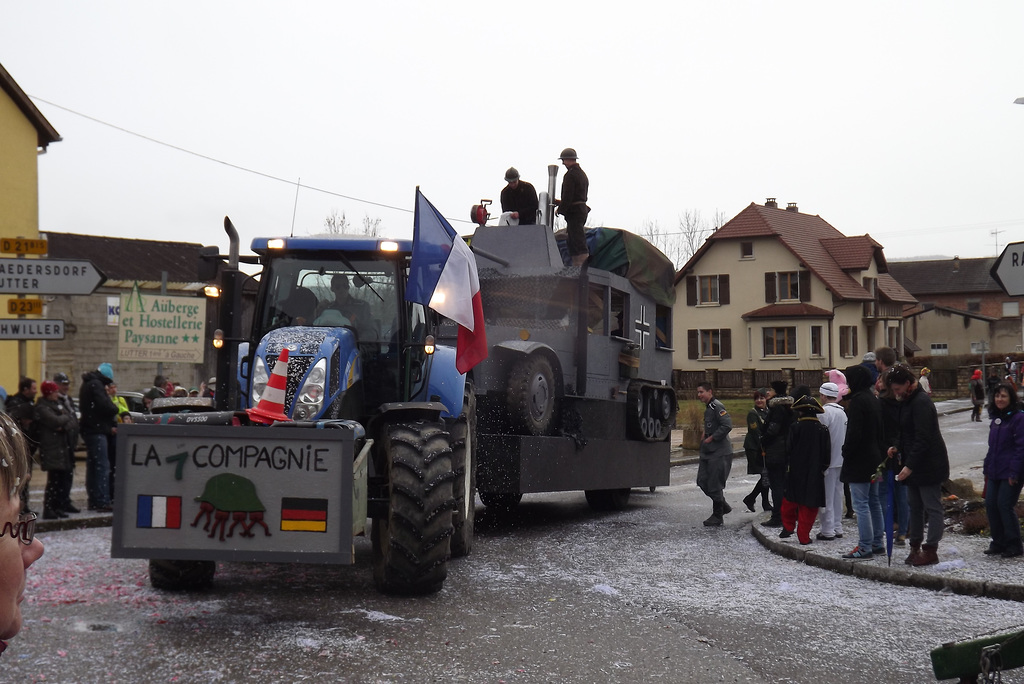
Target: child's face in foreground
[{"x": 15, "y": 557}]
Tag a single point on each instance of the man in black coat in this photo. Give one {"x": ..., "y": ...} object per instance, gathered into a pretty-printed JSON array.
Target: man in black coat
[
  {"x": 773, "y": 441},
  {"x": 921, "y": 451},
  {"x": 519, "y": 199},
  {"x": 99, "y": 414}
]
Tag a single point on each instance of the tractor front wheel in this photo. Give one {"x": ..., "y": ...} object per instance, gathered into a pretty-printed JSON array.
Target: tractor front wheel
[
  {"x": 411, "y": 545},
  {"x": 181, "y": 575}
]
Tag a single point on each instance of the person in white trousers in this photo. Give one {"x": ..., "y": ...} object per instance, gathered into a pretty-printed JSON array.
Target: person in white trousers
[{"x": 834, "y": 418}]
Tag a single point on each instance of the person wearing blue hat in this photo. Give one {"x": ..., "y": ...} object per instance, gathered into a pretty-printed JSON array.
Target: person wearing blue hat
[{"x": 97, "y": 424}]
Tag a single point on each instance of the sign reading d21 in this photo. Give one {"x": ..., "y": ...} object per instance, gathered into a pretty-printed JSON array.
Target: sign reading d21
[{"x": 161, "y": 328}]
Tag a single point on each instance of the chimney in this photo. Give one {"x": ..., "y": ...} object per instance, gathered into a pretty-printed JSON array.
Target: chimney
[
  {"x": 771, "y": 203},
  {"x": 956, "y": 264},
  {"x": 792, "y": 207}
]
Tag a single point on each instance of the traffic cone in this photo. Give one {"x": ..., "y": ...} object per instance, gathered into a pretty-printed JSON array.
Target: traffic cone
[{"x": 271, "y": 406}]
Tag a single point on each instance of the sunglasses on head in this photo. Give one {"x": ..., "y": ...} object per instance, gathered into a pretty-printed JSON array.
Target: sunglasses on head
[{"x": 24, "y": 529}]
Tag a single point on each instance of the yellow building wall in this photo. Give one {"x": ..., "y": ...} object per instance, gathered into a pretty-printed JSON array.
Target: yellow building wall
[{"x": 19, "y": 217}]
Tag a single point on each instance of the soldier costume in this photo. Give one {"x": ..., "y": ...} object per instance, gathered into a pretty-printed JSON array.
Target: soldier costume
[
  {"x": 573, "y": 205},
  {"x": 522, "y": 198},
  {"x": 715, "y": 459}
]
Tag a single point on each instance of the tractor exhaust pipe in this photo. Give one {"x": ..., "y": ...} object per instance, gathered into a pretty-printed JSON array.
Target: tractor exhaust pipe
[{"x": 549, "y": 206}]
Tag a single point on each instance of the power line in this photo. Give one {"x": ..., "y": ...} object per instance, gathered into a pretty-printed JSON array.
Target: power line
[{"x": 207, "y": 157}]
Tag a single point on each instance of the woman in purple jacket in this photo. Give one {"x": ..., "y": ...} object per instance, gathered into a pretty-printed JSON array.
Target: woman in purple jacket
[{"x": 1004, "y": 472}]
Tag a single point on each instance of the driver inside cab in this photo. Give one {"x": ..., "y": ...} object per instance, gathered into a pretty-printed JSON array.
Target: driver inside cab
[{"x": 345, "y": 309}]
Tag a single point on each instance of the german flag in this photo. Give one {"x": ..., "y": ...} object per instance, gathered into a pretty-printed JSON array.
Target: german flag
[{"x": 303, "y": 515}]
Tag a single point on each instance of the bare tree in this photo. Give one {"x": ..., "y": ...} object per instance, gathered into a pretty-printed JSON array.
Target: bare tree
[
  {"x": 681, "y": 244},
  {"x": 694, "y": 230},
  {"x": 335, "y": 223},
  {"x": 371, "y": 226},
  {"x": 669, "y": 243}
]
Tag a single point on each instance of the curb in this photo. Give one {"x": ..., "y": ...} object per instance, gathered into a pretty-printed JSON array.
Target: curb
[
  {"x": 905, "y": 577},
  {"x": 63, "y": 524}
]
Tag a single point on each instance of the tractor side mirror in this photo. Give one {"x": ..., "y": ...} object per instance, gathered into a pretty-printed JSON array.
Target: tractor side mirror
[{"x": 210, "y": 263}]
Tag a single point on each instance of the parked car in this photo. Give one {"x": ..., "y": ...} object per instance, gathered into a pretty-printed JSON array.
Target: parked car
[{"x": 134, "y": 401}]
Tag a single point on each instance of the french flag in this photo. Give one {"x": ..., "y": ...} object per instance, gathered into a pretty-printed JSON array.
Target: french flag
[
  {"x": 158, "y": 511},
  {"x": 442, "y": 275}
]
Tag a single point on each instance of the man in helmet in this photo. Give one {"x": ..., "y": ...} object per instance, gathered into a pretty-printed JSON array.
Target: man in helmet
[
  {"x": 573, "y": 205},
  {"x": 519, "y": 199}
]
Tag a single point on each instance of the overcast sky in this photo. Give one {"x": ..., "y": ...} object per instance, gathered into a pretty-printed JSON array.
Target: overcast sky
[{"x": 894, "y": 119}]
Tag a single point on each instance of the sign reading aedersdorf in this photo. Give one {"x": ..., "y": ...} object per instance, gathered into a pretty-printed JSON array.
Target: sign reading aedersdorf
[{"x": 49, "y": 276}]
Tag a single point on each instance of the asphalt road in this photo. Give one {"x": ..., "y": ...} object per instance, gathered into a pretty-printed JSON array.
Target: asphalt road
[{"x": 555, "y": 593}]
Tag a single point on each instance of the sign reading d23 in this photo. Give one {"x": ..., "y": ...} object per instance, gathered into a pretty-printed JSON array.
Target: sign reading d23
[{"x": 161, "y": 328}]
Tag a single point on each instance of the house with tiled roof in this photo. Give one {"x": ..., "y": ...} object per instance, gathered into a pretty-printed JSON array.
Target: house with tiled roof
[
  {"x": 776, "y": 289},
  {"x": 960, "y": 307}
]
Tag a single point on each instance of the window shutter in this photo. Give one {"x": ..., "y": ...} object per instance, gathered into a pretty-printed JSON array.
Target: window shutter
[
  {"x": 691, "y": 343},
  {"x": 726, "y": 343},
  {"x": 769, "y": 288},
  {"x": 691, "y": 290},
  {"x": 853, "y": 343},
  {"x": 723, "y": 289},
  {"x": 805, "y": 286}
]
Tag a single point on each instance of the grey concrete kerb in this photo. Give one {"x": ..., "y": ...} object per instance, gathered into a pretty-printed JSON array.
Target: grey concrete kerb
[
  {"x": 903, "y": 575},
  {"x": 75, "y": 522}
]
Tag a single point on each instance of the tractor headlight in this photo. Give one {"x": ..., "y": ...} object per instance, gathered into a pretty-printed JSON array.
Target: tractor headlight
[
  {"x": 259, "y": 380},
  {"x": 311, "y": 394}
]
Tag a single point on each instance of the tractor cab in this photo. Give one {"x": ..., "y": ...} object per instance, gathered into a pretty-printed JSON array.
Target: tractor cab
[{"x": 338, "y": 305}]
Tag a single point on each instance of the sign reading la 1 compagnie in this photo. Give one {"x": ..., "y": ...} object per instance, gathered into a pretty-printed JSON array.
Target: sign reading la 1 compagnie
[
  {"x": 161, "y": 328},
  {"x": 201, "y": 492}
]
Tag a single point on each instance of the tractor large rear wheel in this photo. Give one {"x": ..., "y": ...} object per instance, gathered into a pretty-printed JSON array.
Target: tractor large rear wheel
[
  {"x": 411, "y": 546},
  {"x": 463, "y": 437}
]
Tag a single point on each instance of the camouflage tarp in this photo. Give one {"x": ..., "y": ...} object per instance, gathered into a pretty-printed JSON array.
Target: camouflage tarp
[{"x": 629, "y": 255}]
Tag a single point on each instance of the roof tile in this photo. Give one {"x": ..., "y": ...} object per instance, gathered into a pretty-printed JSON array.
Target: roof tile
[
  {"x": 129, "y": 259},
  {"x": 811, "y": 239}
]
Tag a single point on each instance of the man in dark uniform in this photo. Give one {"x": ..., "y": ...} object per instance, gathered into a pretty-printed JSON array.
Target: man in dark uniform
[
  {"x": 573, "y": 205},
  {"x": 715, "y": 454},
  {"x": 519, "y": 198},
  {"x": 64, "y": 399}
]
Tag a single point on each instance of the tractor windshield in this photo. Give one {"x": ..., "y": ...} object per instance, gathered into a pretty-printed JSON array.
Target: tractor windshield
[{"x": 360, "y": 295}]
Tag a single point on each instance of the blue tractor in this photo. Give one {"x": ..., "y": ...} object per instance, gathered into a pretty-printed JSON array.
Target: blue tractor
[{"x": 359, "y": 357}]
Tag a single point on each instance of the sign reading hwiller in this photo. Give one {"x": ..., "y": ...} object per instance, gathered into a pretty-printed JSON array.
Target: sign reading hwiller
[
  {"x": 27, "y": 329},
  {"x": 49, "y": 276},
  {"x": 1008, "y": 271}
]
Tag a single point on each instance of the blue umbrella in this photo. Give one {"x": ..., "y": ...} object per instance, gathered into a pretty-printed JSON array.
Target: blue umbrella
[{"x": 890, "y": 506}]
